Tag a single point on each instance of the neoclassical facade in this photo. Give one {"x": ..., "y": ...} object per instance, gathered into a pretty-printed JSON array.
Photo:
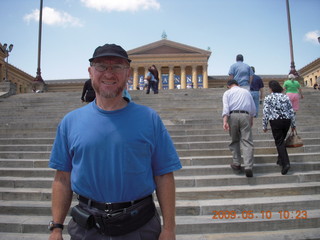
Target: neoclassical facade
[
  {"x": 311, "y": 73},
  {"x": 20, "y": 79},
  {"x": 179, "y": 65}
]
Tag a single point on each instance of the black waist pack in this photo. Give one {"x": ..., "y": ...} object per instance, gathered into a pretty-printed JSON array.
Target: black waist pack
[
  {"x": 82, "y": 217},
  {"x": 126, "y": 221},
  {"x": 118, "y": 222}
]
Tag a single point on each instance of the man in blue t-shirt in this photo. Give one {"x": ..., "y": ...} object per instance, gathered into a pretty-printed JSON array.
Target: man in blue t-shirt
[
  {"x": 113, "y": 154},
  {"x": 256, "y": 90},
  {"x": 153, "y": 79},
  {"x": 241, "y": 72}
]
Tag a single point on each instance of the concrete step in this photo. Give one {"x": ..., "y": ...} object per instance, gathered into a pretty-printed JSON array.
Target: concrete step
[
  {"x": 237, "y": 179},
  {"x": 185, "y": 171},
  {"x": 188, "y": 208},
  {"x": 186, "y": 161},
  {"x": 292, "y": 234},
  {"x": 261, "y": 147},
  {"x": 24, "y": 163},
  {"x": 182, "y": 152},
  {"x": 226, "y": 152},
  {"x": 243, "y": 223},
  {"x": 222, "y": 144},
  {"x": 190, "y": 193},
  {"x": 25, "y": 147},
  {"x": 256, "y": 131},
  {"x": 27, "y": 141},
  {"x": 28, "y": 236},
  {"x": 25, "y": 155},
  {"x": 179, "y": 145},
  {"x": 257, "y": 136},
  {"x": 195, "y": 225},
  {"x": 26, "y": 224},
  {"x": 28, "y": 134},
  {"x": 258, "y": 168},
  {"x": 182, "y": 180},
  {"x": 248, "y": 191},
  {"x": 262, "y": 158}
]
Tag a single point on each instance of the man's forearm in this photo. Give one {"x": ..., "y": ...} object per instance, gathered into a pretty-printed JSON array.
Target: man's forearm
[
  {"x": 61, "y": 196},
  {"x": 167, "y": 199}
]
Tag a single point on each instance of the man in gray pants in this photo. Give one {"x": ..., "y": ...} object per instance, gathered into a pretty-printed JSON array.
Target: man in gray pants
[{"x": 238, "y": 112}]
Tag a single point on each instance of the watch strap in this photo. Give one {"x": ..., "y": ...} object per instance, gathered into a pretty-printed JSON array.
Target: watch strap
[{"x": 53, "y": 225}]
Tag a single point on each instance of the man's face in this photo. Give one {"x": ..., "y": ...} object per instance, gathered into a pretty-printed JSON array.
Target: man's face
[{"x": 109, "y": 76}]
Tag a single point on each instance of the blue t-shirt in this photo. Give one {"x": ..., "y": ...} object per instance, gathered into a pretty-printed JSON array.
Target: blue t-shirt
[
  {"x": 241, "y": 73},
  {"x": 256, "y": 83},
  {"x": 153, "y": 79},
  {"x": 113, "y": 156}
]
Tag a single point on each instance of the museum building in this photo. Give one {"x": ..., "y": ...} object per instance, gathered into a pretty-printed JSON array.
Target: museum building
[{"x": 179, "y": 65}]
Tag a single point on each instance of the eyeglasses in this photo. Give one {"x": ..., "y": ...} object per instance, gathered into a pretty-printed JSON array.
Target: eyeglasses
[{"x": 113, "y": 67}]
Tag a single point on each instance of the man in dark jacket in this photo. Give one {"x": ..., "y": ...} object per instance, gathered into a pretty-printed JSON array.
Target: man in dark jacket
[{"x": 88, "y": 94}]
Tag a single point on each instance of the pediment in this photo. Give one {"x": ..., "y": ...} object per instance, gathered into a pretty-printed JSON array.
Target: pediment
[
  {"x": 165, "y": 46},
  {"x": 164, "y": 50}
]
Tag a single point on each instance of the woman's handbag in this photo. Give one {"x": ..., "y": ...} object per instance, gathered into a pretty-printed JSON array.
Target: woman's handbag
[{"x": 293, "y": 140}]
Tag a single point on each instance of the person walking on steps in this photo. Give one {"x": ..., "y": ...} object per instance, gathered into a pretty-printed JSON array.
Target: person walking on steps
[
  {"x": 238, "y": 112},
  {"x": 277, "y": 110}
]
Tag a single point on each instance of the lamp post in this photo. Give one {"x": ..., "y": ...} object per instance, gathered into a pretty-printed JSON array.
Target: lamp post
[
  {"x": 292, "y": 66},
  {"x": 38, "y": 77},
  {"x": 7, "y": 50}
]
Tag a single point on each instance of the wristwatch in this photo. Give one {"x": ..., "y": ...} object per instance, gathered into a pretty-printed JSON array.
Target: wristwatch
[{"x": 52, "y": 225}]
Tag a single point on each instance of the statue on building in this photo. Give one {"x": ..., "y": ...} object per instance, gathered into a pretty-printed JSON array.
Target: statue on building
[{"x": 164, "y": 35}]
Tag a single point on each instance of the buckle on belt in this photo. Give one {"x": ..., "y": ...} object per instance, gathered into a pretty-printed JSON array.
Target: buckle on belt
[{"x": 108, "y": 207}]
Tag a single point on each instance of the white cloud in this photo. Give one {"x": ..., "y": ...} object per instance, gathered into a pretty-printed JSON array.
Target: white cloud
[
  {"x": 312, "y": 36},
  {"x": 121, "y": 5},
  {"x": 53, "y": 17}
]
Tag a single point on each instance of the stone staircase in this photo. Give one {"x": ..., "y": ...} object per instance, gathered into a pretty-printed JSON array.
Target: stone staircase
[{"x": 212, "y": 201}]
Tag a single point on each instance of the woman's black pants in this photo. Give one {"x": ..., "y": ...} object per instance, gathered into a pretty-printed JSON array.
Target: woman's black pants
[{"x": 280, "y": 129}]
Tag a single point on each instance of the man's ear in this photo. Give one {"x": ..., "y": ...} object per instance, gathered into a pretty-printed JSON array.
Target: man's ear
[
  {"x": 89, "y": 70},
  {"x": 129, "y": 73}
]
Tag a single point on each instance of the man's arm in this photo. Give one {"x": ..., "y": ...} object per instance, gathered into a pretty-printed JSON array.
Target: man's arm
[
  {"x": 61, "y": 201},
  {"x": 166, "y": 194},
  {"x": 250, "y": 79},
  {"x": 84, "y": 89},
  {"x": 261, "y": 94},
  {"x": 225, "y": 123},
  {"x": 300, "y": 91}
]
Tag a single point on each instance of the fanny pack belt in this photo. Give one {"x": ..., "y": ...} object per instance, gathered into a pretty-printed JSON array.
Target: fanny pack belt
[
  {"x": 117, "y": 222},
  {"x": 109, "y": 206},
  {"x": 239, "y": 111}
]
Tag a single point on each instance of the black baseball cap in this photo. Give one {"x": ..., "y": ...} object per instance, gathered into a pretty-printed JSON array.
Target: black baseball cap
[{"x": 110, "y": 50}]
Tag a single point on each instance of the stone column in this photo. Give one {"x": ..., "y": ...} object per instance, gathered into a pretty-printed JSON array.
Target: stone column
[
  {"x": 183, "y": 77},
  {"x": 205, "y": 76},
  {"x": 146, "y": 71},
  {"x": 160, "y": 80},
  {"x": 171, "y": 77},
  {"x": 194, "y": 76},
  {"x": 135, "y": 78}
]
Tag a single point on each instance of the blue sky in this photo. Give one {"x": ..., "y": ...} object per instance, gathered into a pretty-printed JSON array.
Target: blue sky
[{"x": 72, "y": 29}]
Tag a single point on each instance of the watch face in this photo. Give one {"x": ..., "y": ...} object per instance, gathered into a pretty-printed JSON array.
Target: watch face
[{"x": 50, "y": 226}]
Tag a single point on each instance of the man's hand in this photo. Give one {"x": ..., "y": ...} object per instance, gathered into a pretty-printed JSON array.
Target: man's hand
[
  {"x": 56, "y": 234},
  {"x": 167, "y": 235},
  {"x": 226, "y": 126}
]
